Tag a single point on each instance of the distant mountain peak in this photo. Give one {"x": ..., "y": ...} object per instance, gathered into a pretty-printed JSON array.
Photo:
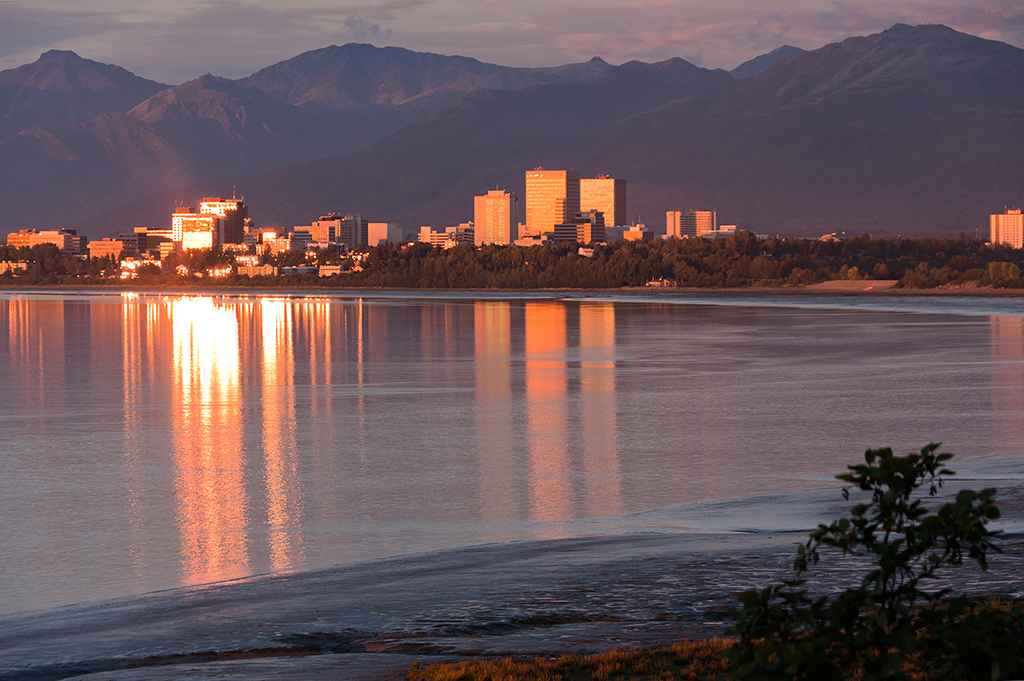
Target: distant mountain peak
[{"x": 761, "y": 63}]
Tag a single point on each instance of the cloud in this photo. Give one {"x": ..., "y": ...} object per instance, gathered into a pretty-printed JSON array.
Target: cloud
[
  {"x": 181, "y": 39},
  {"x": 361, "y": 28},
  {"x": 30, "y": 29}
]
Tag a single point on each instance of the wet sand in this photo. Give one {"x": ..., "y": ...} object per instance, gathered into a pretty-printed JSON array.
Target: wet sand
[{"x": 373, "y": 619}]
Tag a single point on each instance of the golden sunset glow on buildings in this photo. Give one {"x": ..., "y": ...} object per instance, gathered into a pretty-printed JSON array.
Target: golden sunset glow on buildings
[
  {"x": 233, "y": 214},
  {"x": 496, "y": 218},
  {"x": 1007, "y": 228},
  {"x": 607, "y": 195},
  {"x": 194, "y": 231},
  {"x": 690, "y": 223},
  {"x": 552, "y": 198}
]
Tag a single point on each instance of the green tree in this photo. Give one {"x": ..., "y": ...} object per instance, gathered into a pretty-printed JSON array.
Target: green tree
[{"x": 890, "y": 625}]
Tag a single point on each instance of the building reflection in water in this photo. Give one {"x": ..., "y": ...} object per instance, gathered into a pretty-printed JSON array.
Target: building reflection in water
[
  {"x": 1006, "y": 336},
  {"x": 494, "y": 418},
  {"x": 598, "y": 410},
  {"x": 547, "y": 413},
  {"x": 213, "y": 506}
]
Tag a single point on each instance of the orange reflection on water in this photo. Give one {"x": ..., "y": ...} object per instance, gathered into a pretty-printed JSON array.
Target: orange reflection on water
[
  {"x": 547, "y": 411},
  {"x": 284, "y": 496},
  {"x": 493, "y": 351},
  {"x": 597, "y": 388},
  {"x": 1006, "y": 335},
  {"x": 36, "y": 345},
  {"x": 210, "y": 470}
]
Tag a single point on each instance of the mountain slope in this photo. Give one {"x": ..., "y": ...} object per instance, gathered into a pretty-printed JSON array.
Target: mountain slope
[
  {"x": 429, "y": 171},
  {"x": 912, "y": 130},
  {"x": 761, "y": 63},
  {"x": 357, "y": 74},
  {"x": 209, "y": 127},
  {"x": 61, "y": 88}
]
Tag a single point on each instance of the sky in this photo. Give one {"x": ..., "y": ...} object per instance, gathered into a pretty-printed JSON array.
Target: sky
[{"x": 172, "y": 41}]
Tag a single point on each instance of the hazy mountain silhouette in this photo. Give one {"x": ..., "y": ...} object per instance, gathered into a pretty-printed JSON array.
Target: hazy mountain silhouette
[
  {"x": 357, "y": 74},
  {"x": 208, "y": 127},
  {"x": 754, "y": 66},
  {"x": 62, "y": 88},
  {"x": 914, "y": 130},
  {"x": 87, "y": 137},
  {"x": 432, "y": 168}
]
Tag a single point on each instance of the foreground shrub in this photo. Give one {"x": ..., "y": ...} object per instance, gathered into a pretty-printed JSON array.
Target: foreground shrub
[{"x": 890, "y": 626}]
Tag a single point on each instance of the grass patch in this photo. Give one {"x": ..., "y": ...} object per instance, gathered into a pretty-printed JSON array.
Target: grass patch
[{"x": 693, "y": 661}]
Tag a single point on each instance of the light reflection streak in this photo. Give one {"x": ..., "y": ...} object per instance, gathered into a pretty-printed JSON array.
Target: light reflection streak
[
  {"x": 1006, "y": 336},
  {"x": 493, "y": 352},
  {"x": 284, "y": 502},
  {"x": 210, "y": 471},
  {"x": 547, "y": 412},
  {"x": 598, "y": 411}
]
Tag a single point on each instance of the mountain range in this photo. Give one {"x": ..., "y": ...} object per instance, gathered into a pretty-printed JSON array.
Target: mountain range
[{"x": 914, "y": 130}]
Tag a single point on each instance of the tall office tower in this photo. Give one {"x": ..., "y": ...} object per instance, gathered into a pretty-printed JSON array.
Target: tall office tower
[
  {"x": 496, "y": 218},
  {"x": 552, "y": 198},
  {"x": 234, "y": 213},
  {"x": 607, "y": 195},
  {"x": 690, "y": 223},
  {"x": 1008, "y": 228}
]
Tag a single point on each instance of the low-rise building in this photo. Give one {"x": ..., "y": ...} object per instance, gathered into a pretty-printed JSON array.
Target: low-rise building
[
  {"x": 69, "y": 241},
  {"x": 14, "y": 268},
  {"x": 106, "y": 248}
]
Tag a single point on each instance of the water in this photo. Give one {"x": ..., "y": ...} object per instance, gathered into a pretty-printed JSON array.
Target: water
[{"x": 154, "y": 441}]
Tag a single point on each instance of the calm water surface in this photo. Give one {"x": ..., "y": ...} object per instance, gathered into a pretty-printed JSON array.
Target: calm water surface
[{"x": 154, "y": 441}]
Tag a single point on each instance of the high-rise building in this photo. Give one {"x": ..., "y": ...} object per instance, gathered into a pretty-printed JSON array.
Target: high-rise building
[
  {"x": 496, "y": 218},
  {"x": 607, "y": 195},
  {"x": 232, "y": 211},
  {"x": 1008, "y": 228},
  {"x": 690, "y": 223},
  {"x": 552, "y": 198}
]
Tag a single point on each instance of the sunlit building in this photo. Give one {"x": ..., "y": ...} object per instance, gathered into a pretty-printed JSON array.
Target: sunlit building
[
  {"x": 552, "y": 198},
  {"x": 604, "y": 194},
  {"x": 586, "y": 228},
  {"x": 106, "y": 248},
  {"x": 69, "y": 241},
  {"x": 194, "y": 231},
  {"x": 233, "y": 214},
  {"x": 496, "y": 218},
  {"x": 1008, "y": 228},
  {"x": 379, "y": 233},
  {"x": 690, "y": 223},
  {"x": 450, "y": 237}
]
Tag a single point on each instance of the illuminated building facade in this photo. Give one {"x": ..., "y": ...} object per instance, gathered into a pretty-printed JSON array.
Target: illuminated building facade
[
  {"x": 586, "y": 228},
  {"x": 112, "y": 248},
  {"x": 496, "y": 218},
  {"x": 690, "y": 223},
  {"x": 552, "y": 198},
  {"x": 607, "y": 195},
  {"x": 194, "y": 231},
  {"x": 1008, "y": 228},
  {"x": 67, "y": 240},
  {"x": 233, "y": 214}
]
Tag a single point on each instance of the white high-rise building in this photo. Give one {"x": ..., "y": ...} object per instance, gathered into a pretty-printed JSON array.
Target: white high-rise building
[{"x": 1008, "y": 228}]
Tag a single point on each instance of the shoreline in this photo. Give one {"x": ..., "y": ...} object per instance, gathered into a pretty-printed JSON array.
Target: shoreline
[{"x": 673, "y": 576}]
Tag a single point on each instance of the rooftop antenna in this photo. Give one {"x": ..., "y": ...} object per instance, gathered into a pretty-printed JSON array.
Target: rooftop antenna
[{"x": 233, "y": 196}]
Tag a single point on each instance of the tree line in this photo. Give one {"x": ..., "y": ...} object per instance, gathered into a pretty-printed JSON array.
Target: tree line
[{"x": 734, "y": 262}]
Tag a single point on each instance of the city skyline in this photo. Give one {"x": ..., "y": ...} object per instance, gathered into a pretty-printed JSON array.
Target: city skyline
[{"x": 177, "y": 41}]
